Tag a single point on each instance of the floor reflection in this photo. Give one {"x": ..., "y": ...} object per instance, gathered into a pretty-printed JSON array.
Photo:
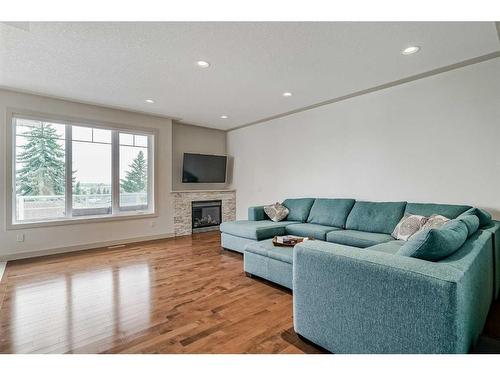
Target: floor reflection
[
  {"x": 134, "y": 302},
  {"x": 39, "y": 314},
  {"x": 66, "y": 312}
]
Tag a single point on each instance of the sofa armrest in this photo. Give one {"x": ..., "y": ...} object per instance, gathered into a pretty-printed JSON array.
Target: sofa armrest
[
  {"x": 351, "y": 300},
  {"x": 494, "y": 229},
  {"x": 256, "y": 213}
]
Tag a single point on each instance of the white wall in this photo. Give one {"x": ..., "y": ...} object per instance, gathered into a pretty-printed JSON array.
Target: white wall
[
  {"x": 75, "y": 235},
  {"x": 432, "y": 140}
]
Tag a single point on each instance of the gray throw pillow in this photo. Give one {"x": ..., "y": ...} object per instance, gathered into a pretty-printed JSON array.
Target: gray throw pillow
[
  {"x": 276, "y": 212},
  {"x": 435, "y": 222},
  {"x": 408, "y": 226}
]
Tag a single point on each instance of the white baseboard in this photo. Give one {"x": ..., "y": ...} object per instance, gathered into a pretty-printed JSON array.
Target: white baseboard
[
  {"x": 2, "y": 269},
  {"x": 94, "y": 245}
]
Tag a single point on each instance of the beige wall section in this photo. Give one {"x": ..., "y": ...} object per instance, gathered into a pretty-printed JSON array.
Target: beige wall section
[
  {"x": 436, "y": 139},
  {"x": 190, "y": 138},
  {"x": 78, "y": 236}
]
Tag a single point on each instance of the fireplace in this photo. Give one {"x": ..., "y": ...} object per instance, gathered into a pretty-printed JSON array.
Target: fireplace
[{"x": 206, "y": 215}]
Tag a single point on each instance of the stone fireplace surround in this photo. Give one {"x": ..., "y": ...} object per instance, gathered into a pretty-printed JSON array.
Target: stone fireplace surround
[{"x": 182, "y": 206}]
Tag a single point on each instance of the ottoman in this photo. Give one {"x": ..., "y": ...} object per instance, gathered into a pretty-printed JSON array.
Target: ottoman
[{"x": 270, "y": 262}]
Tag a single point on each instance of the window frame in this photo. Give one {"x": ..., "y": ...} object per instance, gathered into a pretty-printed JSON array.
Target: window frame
[{"x": 10, "y": 170}]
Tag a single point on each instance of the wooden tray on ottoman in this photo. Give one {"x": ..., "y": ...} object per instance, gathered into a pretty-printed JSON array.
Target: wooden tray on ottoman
[{"x": 290, "y": 244}]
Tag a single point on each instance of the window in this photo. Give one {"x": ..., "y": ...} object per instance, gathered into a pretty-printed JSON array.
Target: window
[
  {"x": 92, "y": 178},
  {"x": 68, "y": 171},
  {"x": 133, "y": 172},
  {"x": 40, "y": 170}
]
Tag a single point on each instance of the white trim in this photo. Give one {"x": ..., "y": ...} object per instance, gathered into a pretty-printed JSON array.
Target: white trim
[
  {"x": 3, "y": 265},
  {"x": 383, "y": 86},
  {"x": 78, "y": 121},
  {"x": 130, "y": 215},
  {"x": 151, "y": 174},
  {"x": 10, "y": 170},
  {"x": 68, "y": 152},
  {"x": 90, "y": 103},
  {"x": 95, "y": 245},
  {"x": 115, "y": 178}
]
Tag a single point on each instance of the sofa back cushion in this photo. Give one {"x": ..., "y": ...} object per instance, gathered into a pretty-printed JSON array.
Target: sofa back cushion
[
  {"x": 471, "y": 222},
  {"x": 436, "y": 244},
  {"x": 451, "y": 211},
  {"x": 299, "y": 208},
  {"x": 256, "y": 213},
  {"x": 379, "y": 217},
  {"x": 483, "y": 216},
  {"x": 331, "y": 212}
]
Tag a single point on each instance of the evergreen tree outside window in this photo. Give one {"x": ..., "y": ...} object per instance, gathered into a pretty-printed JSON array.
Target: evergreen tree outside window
[
  {"x": 133, "y": 171},
  {"x": 40, "y": 170},
  {"x": 136, "y": 178}
]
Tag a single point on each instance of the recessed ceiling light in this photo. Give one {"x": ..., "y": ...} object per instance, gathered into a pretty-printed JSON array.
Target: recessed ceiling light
[
  {"x": 287, "y": 94},
  {"x": 224, "y": 117},
  {"x": 410, "y": 50},
  {"x": 203, "y": 64},
  {"x": 150, "y": 101}
]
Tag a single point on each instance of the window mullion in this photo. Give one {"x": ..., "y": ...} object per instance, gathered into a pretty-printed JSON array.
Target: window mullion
[
  {"x": 69, "y": 170},
  {"x": 151, "y": 176},
  {"x": 115, "y": 171},
  {"x": 14, "y": 201}
]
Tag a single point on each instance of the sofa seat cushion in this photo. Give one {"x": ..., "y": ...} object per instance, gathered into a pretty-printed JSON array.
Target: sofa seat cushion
[
  {"x": 390, "y": 247},
  {"x": 255, "y": 230},
  {"x": 315, "y": 231},
  {"x": 299, "y": 208},
  {"x": 330, "y": 212},
  {"x": 357, "y": 238},
  {"x": 377, "y": 217},
  {"x": 267, "y": 249}
]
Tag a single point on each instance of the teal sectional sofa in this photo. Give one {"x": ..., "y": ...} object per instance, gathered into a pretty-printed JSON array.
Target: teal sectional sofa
[{"x": 354, "y": 292}]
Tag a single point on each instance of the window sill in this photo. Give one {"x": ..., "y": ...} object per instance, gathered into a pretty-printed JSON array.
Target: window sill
[{"x": 81, "y": 220}]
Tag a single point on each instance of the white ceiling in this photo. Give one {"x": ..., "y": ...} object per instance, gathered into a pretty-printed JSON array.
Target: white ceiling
[{"x": 252, "y": 63}]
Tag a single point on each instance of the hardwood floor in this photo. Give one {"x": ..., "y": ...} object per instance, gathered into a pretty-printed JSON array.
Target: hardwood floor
[{"x": 182, "y": 295}]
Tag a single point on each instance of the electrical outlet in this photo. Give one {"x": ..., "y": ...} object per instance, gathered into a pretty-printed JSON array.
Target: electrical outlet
[
  {"x": 20, "y": 237},
  {"x": 152, "y": 224}
]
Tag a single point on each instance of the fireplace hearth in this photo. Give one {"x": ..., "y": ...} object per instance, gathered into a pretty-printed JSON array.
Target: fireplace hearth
[{"x": 206, "y": 215}]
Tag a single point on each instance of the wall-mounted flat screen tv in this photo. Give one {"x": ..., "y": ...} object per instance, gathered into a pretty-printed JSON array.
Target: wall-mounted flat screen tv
[{"x": 204, "y": 168}]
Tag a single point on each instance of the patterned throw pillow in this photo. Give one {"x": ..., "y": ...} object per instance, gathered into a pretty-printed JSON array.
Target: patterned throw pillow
[
  {"x": 435, "y": 221},
  {"x": 276, "y": 212},
  {"x": 408, "y": 226}
]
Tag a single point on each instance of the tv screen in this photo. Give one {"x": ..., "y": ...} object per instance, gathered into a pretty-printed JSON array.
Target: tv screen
[{"x": 204, "y": 168}]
